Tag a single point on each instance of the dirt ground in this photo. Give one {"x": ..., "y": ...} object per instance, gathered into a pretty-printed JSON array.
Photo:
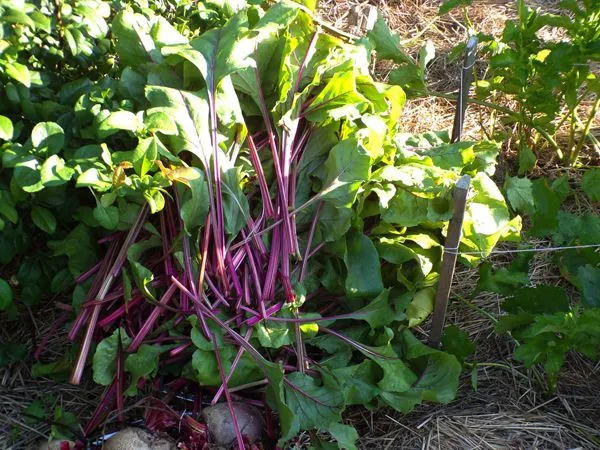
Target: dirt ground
[{"x": 508, "y": 410}]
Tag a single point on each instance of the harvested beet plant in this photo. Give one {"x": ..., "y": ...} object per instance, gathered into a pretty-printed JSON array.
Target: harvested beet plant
[{"x": 260, "y": 229}]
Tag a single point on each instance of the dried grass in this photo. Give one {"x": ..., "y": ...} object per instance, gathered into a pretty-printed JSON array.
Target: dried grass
[{"x": 18, "y": 388}]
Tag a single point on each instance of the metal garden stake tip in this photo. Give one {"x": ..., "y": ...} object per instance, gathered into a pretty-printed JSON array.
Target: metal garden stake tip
[{"x": 466, "y": 77}]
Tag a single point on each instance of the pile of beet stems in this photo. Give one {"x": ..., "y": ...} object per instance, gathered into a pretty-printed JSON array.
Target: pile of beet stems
[{"x": 236, "y": 274}]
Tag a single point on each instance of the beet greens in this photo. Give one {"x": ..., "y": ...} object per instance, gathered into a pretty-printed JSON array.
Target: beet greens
[{"x": 267, "y": 232}]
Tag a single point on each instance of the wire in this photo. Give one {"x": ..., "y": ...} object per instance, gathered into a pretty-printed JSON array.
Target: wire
[{"x": 454, "y": 250}]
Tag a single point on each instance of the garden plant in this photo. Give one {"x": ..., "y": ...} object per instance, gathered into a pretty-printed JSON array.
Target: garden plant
[{"x": 220, "y": 200}]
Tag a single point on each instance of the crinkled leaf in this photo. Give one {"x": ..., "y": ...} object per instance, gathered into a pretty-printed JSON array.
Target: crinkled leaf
[
  {"x": 589, "y": 277},
  {"x": 457, "y": 342},
  {"x": 591, "y": 184},
  {"x": 520, "y": 194},
  {"x": 387, "y": 44},
  {"x": 541, "y": 299},
  {"x": 338, "y": 99}
]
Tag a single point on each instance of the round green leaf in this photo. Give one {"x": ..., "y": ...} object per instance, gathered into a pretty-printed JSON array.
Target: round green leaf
[
  {"x": 43, "y": 219},
  {"x": 27, "y": 175},
  {"x": 6, "y": 128},
  {"x": 54, "y": 172},
  {"x": 48, "y": 135},
  {"x": 19, "y": 72},
  {"x": 6, "y": 295}
]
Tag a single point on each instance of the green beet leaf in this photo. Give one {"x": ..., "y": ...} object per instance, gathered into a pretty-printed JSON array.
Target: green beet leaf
[
  {"x": 315, "y": 406},
  {"x": 377, "y": 312},
  {"x": 134, "y": 45},
  {"x": 437, "y": 380},
  {"x": 105, "y": 357},
  {"x": 345, "y": 435},
  {"x": 420, "y": 307},
  {"x": 362, "y": 263},
  {"x": 142, "y": 364},
  {"x": 359, "y": 382},
  {"x": 235, "y": 203},
  {"x": 347, "y": 167},
  {"x": 190, "y": 113},
  {"x": 218, "y": 52},
  {"x": 194, "y": 201},
  {"x": 338, "y": 99}
]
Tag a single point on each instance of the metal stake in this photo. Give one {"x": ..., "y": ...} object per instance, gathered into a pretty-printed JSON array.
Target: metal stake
[
  {"x": 466, "y": 76},
  {"x": 449, "y": 260}
]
